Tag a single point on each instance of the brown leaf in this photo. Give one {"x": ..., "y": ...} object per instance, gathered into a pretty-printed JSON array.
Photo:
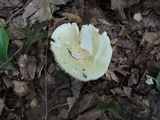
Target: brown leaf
[
  {"x": 133, "y": 79},
  {"x": 120, "y": 69},
  {"x": 15, "y": 32},
  {"x": 8, "y": 82},
  {"x": 20, "y": 88},
  {"x": 27, "y": 66},
  {"x": 111, "y": 76},
  {"x": 42, "y": 9},
  {"x": 120, "y": 5},
  {"x": 90, "y": 115},
  {"x": 1, "y": 106}
]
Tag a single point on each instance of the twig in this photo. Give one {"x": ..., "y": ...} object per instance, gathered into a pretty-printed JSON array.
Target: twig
[
  {"x": 57, "y": 107},
  {"x": 11, "y": 57},
  {"x": 45, "y": 72}
]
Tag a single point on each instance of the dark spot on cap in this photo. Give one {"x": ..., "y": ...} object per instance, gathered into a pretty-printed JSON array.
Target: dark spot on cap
[{"x": 84, "y": 75}]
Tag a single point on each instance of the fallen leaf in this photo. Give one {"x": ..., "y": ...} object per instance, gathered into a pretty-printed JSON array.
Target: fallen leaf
[
  {"x": 12, "y": 3},
  {"x": 15, "y": 31},
  {"x": 34, "y": 103},
  {"x": 1, "y": 106},
  {"x": 138, "y": 16},
  {"x": 120, "y": 69},
  {"x": 20, "y": 88},
  {"x": 42, "y": 9},
  {"x": 111, "y": 76},
  {"x": 149, "y": 38},
  {"x": 119, "y": 5},
  {"x": 27, "y": 66},
  {"x": 90, "y": 115},
  {"x": 158, "y": 82},
  {"x": 134, "y": 77},
  {"x": 8, "y": 82}
]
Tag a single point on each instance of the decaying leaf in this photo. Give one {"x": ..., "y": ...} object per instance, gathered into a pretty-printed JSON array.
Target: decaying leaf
[
  {"x": 90, "y": 115},
  {"x": 27, "y": 66},
  {"x": 126, "y": 91},
  {"x": 119, "y": 5},
  {"x": 158, "y": 82},
  {"x": 20, "y": 88},
  {"x": 111, "y": 76},
  {"x": 8, "y": 82},
  {"x": 67, "y": 18},
  {"x": 42, "y": 9},
  {"x": 1, "y": 106},
  {"x": 149, "y": 38}
]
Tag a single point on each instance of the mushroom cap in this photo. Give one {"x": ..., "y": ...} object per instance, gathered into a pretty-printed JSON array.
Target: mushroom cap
[{"x": 84, "y": 55}]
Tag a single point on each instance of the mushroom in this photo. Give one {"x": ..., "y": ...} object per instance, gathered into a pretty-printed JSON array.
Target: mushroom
[{"x": 84, "y": 54}]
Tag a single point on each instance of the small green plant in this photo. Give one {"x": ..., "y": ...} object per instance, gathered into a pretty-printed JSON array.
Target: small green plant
[
  {"x": 33, "y": 34},
  {"x": 150, "y": 80},
  {"x": 4, "y": 42},
  {"x": 110, "y": 105}
]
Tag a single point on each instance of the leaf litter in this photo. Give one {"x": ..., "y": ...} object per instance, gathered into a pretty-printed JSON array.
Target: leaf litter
[{"x": 39, "y": 90}]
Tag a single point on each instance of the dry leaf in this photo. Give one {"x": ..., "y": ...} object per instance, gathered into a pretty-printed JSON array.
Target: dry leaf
[
  {"x": 1, "y": 106},
  {"x": 27, "y": 66},
  {"x": 72, "y": 17},
  {"x": 8, "y": 82},
  {"x": 20, "y": 88},
  {"x": 90, "y": 115},
  {"x": 42, "y": 9},
  {"x": 126, "y": 91},
  {"x": 111, "y": 76},
  {"x": 120, "y": 5},
  {"x": 149, "y": 38}
]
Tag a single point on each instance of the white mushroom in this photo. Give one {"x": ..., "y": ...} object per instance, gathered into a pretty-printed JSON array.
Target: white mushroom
[{"x": 84, "y": 55}]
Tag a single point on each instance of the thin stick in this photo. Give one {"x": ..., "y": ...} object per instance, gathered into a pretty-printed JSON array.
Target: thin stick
[{"x": 57, "y": 107}]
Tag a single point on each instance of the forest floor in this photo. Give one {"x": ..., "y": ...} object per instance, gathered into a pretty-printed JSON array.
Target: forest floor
[{"x": 37, "y": 89}]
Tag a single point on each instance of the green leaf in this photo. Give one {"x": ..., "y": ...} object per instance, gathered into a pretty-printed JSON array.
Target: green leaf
[
  {"x": 112, "y": 105},
  {"x": 158, "y": 82},
  {"x": 4, "y": 41},
  {"x": 34, "y": 33}
]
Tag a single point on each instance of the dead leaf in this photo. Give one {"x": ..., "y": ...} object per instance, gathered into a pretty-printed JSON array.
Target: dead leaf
[
  {"x": 1, "y": 106},
  {"x": 27, "y": 66},
  {"x": 15, "y": 31},
  {"x": 8, "y": 82},
  {"x": 67, "y": 18},
  {"x": 149, "y": 38},
  {"x": 34, "y": 103},
  {"x": 12, "y": 3},
  {"x": 111, "y": 76},
  {"x": 119, "y": 5},
  {"x": 97, "y": 21},
  {"x": 126, "y": 91},
  {"x": 156, "y": 52},
  {"x": 42, "y": 9},
  {"x": 133, "y": 79},
  {"x": 120, "y": 69},
  {"x": 72, "y": 17},
  {"x": 90, "y": 115},
  {"x": 20, "y": 88}
]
